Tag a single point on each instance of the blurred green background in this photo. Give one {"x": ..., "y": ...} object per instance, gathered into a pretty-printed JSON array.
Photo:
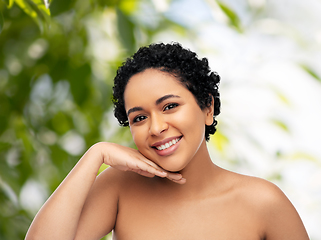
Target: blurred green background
[{"x": 58, "y": 60}]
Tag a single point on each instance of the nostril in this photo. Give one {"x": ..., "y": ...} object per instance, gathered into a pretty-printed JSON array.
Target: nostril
[{"x": 158, "y": 125}]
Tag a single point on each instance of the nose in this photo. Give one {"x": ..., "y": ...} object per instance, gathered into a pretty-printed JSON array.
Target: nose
[{"x": 157, "y": 125}]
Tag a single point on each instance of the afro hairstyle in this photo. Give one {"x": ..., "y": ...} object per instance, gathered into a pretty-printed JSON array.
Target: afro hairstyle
[{"x": 194, "y": 73}]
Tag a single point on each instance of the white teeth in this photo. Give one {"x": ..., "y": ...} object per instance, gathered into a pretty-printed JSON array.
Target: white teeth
[{"x": 167, "y": 145}]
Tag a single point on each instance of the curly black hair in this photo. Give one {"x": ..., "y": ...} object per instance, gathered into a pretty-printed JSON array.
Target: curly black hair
[{"x": 193, "y": 73}]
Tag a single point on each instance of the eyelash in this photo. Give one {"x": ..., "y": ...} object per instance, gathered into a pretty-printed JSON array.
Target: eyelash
[
  {"x": 170, "y": 106},
  {"x": 138, "y": 119},
  {"x": 166, "y": 108}
]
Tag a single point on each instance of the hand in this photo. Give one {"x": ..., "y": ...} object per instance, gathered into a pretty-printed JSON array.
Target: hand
[{"x": 128, "y": 159}]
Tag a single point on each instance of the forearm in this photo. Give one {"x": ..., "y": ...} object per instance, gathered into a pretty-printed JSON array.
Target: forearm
[{"x": 59, "y": 216}]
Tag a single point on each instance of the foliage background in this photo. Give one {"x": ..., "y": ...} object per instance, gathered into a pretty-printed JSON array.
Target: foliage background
[{"x": 57, "y": 66}]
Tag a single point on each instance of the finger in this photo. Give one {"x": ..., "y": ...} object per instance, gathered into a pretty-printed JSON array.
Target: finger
[
  {"x": 151, "y": 163},
  {"x": 158, "y": 172},
  {"x": 181, "y": 181},
  {"x": 149, "y": 169},
  {"x": 155, "y": 166},
  {"x": 143, "y": 173},
  {"x": 174, "y": 176},
  {"x": 163, "y": 172}
]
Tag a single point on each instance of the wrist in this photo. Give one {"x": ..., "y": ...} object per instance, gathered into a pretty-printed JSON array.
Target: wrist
[{"x": 102, "y": 149}]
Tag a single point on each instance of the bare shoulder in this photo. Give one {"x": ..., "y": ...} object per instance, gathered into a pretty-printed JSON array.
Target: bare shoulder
[
  {"x": 255, "y": 193},
  {"x": 279, "y": 218},
  {"x": 258, "y": 190}
]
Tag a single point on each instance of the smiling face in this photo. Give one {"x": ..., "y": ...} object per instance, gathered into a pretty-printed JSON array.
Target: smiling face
[{"x": 167, "y": 125}]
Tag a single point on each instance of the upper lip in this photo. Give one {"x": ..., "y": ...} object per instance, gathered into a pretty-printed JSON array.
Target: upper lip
[{"x": 166, "y": 140}]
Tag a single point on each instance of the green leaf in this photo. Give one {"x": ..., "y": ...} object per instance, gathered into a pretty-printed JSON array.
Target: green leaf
[
  {"x": 126, "y": 31},
  {"x": 46, "y": 3},
  {"x": 303, "y": 155},
  {"x": 102, "y": 168},
  {"x": 311, "y": 72},
  {"x": 25, "y": 6},
  {"x": 281, "y": 125},
  {"x": 1, "y": 22},
  {"x": 233, "y": 18},
  {"x": 9, "y": 3},
  {"x": 109, "y": 3},
  {"x": 220, "y": 141},
  {"x": 298, "y": 156},
  {"x": 41, "y": 5},
  {"x": 128, "y": 6},
  {"x": 4, "y": 146},
  {"x": 35, "y": 9},
  {"x": 283, "y": 98}
]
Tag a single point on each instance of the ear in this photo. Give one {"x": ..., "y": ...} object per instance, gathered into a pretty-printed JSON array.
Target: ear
[{"x": 209, "y": 111}]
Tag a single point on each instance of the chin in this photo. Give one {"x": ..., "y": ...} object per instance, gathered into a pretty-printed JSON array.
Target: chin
[{"x": 173, "y": 169}]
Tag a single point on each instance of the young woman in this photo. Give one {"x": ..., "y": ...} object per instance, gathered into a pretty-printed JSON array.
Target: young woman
[{"x": 169, "y": 188}]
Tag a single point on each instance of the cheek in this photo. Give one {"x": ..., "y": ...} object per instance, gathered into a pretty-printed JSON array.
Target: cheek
[
  {"x": 138, "y": 136},
  {"x": 191, "y": 120},
  {"x": 135, "y": 136}
]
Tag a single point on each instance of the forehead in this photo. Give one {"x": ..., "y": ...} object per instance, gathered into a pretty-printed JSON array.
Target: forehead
[{"x": 150, "y": 85}]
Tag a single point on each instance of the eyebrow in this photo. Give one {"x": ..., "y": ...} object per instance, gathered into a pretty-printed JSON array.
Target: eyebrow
[
  {"x": 134, "y": 109},
  {"x": 157, "y": 102},
  {"x": 160, "y": 100}
]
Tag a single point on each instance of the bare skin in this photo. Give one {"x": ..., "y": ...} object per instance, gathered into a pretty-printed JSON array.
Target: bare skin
[{"x": 174, "y": 193}]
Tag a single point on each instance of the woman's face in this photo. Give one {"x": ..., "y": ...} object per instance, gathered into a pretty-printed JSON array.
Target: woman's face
[{"x": 166, "y": 123}]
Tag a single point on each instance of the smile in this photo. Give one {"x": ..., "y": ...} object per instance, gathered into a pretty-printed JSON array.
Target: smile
[{"x": 168, "y": 144}]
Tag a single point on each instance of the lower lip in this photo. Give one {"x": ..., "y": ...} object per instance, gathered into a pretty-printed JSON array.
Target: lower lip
[{"x": 168, "y": 151}]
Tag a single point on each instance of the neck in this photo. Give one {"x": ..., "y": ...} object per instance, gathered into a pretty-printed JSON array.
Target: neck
[{"x": 201, "y": 173}]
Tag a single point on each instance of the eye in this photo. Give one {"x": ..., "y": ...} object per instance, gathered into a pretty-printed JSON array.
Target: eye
[
  {"x": 170, "y": 106},
  {"x": 139, "y": 118}
]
